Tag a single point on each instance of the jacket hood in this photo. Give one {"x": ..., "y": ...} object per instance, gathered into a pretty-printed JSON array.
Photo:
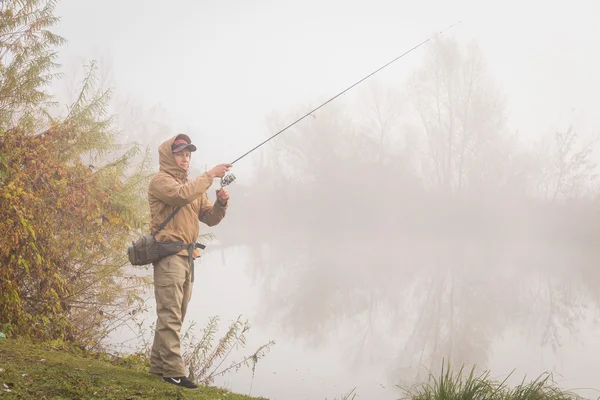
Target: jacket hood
[{"x": 167, "y": 161}]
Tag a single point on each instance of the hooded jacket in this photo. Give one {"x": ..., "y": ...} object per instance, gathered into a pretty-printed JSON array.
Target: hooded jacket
[{"x": 170, "y": 188}]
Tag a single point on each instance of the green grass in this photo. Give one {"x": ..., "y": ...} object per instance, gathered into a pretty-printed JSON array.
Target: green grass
[
  {"x": 58, "y": 371},
  {"x": 33, "y": 371},
  {"x": 460, "y": 386}
]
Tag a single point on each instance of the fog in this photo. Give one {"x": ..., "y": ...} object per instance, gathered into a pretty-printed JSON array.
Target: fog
[{"x": 446, "y": 209}]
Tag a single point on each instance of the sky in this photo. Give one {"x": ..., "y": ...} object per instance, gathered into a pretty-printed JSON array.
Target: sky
[{"x": 220, "y": 68}]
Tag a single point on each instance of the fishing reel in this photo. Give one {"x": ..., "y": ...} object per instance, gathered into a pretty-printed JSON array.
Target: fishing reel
[{"x": 227, "y": 180}]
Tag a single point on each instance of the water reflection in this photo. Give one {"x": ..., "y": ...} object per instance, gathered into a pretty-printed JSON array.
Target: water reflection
[{"x": 383, "y": 344}]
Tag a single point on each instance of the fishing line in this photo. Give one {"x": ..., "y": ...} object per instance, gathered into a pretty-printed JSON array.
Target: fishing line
[{"x": 226, "y": 180}]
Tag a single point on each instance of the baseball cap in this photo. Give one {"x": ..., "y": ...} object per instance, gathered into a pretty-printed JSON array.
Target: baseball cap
[{"x": 182, "y": 142}]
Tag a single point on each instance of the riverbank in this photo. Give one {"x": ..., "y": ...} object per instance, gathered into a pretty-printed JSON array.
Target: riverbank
[{"x": 35, "y": 371}]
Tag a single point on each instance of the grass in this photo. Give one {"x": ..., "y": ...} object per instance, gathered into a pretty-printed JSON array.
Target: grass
[
  {"x": 460, "y": 386},
  {"x": 34, "y": 371},
  {"x": 348, "y": 396},
  {"x": 53, "y": 371}
]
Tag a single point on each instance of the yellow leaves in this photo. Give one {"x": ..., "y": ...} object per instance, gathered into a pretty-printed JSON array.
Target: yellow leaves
[
  {"x": 11, "y": 190},
  {"x": 50, "y": 201},
  {"x": 23, "y": 263},
  {"x": 8, "y": 189},
  {"x": 27, "y": 226}
]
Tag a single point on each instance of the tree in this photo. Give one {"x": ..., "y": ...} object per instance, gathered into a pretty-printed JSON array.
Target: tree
[
  {"x": 27, "y": 60},
  {"x": 566, "y": 169},
  {"x": 461, "y": 114},
  {"x": 69, "y": 205}
]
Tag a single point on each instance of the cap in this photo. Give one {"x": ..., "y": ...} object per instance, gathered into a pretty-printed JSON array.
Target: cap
[{"x": 182, "y": 142}]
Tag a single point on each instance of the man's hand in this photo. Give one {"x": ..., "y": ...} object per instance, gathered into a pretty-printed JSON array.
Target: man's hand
[
  {"x": 222, "y": 196},
  {"x": 220, "y": 170}
]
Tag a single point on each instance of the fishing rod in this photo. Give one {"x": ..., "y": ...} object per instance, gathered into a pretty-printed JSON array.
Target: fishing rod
[{"x": 229, "y": 178}]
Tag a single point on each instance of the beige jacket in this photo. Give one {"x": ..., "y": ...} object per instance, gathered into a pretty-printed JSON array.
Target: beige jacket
[{"x": 170, "y": 188}]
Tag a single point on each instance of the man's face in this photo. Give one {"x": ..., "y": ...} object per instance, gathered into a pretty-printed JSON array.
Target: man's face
[{"x": 182, "y": 158}]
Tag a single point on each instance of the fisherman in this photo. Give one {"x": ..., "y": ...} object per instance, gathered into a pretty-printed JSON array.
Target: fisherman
[{"x": 174, "y": 274}]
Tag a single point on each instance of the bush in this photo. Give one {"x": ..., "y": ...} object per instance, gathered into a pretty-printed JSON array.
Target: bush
[{"x": 67, "y": 209}]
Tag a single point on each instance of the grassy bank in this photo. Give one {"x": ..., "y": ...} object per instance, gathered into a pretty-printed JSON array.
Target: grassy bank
[
  {"x": 44, "y": 372},
  {"x": 39, "y": 372}
]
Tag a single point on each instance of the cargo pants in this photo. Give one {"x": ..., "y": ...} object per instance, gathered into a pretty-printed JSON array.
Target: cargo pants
[{"x": 172, "y": 289}]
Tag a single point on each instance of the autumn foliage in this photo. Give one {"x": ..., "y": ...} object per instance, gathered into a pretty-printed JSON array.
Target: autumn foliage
[{"x": 69, "y": 199}]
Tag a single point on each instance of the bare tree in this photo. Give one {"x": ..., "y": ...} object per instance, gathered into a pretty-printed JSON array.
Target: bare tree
[
  {"x": 461, "y": 114},
  {"x": 566, "y": 166}
]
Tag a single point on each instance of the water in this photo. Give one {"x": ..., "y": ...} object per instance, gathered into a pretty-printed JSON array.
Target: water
[{"x": 298, "y": 369}]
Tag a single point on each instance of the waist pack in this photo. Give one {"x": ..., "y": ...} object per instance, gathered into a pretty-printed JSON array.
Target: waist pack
[{"x": 146, "y": 250}]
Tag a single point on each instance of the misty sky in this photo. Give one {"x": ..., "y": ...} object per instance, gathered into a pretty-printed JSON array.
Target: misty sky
[{"x": 219, "y": 68}]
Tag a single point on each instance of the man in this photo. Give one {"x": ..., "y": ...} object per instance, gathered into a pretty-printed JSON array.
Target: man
[{"x": 174, "y": 275}]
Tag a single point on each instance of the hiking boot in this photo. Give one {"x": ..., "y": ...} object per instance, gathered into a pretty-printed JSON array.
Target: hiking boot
[{"x": 181, "y": 381}]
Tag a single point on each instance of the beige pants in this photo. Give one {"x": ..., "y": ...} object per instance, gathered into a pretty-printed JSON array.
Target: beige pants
[{"x": 172, "y": 290}]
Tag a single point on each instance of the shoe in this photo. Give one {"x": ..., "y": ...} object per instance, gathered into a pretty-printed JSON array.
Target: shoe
[{"x": 181, "y": 381}]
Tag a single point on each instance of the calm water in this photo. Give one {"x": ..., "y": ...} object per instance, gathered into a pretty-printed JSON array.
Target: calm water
[{"x": 297, "y": 370}]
